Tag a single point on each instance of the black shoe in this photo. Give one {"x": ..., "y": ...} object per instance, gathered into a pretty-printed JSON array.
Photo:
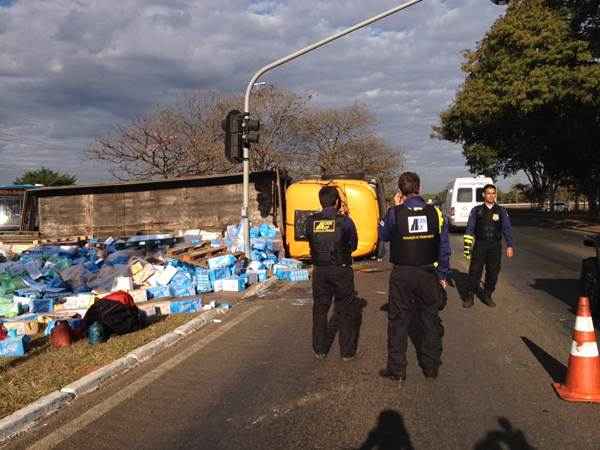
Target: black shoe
[
  {"x": 431, "y": 372},
  {"x": 387, "y": 373},
  {"x": 469, "y": 301},
  {"x": 487, "y": 299}
]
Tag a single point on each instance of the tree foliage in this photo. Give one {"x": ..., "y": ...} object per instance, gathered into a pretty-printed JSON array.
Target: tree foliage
[
  {"x": 531, "y": 89},
  {"x": 584, "y": 16},
  {"x": 46, "y": 177}
]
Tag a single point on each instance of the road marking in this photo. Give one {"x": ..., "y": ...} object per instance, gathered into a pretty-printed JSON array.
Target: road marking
[{"x": 67, "y": 430}]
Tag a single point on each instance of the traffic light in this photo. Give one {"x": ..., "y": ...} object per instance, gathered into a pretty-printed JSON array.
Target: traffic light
[
  {"x": 250, "y": 127},
  {"x": 234, "y": 145},
  {"x": 240, "y": 130}
]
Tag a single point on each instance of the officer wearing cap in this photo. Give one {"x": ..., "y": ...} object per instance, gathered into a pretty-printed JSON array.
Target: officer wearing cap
[
  {"x": 487, "y": 224},
  {"x": 420, "y": 253},
  {"x": 332, "y": 238}
]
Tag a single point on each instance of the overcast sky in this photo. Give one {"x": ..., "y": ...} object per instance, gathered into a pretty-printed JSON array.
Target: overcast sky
[{"x": 70, "y": 69}]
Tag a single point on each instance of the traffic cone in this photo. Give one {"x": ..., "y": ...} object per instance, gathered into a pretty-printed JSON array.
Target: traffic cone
[{"x": 583, "y": 374}]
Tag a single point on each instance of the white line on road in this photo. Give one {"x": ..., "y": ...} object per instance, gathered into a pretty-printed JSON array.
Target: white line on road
[{"x": 67, "y": 430}]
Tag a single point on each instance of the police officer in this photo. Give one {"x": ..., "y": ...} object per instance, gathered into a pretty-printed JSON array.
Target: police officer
[
  {"x": 487, "y": 224},
  {"x": 332, "y": 238},
  {"x": 420, "y": 253}
]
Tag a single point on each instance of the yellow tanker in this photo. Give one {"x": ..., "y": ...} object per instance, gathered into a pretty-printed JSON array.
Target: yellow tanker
[{"x": 364, "y": 200}]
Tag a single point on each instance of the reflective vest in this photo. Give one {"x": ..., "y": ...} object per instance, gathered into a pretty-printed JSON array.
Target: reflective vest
[
  {"x": 416, "y": 239},
  {"x": 326, "y": 240},
  {"x": 488, "y": 225}
]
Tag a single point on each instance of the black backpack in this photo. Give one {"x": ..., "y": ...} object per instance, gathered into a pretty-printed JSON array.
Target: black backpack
[{"x": 116, "y": 317}]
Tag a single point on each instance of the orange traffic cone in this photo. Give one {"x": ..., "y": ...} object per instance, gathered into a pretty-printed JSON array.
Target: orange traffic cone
[{"x": 583, "y": 374}]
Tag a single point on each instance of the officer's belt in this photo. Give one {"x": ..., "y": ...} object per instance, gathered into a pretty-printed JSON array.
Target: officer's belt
[{"x": 428, "y": 268}]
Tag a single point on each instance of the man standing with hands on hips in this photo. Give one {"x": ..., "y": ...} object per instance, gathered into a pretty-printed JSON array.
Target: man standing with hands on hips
[
  {"x": 487, "y": 224},
  {"x": 420, "y": 253}
]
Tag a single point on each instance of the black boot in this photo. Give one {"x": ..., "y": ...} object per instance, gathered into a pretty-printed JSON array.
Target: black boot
[
  {"x": 394, "y": 376},
  {"x": 431, "y": 372},
  {"x": 469, "y": 301},
  {"x": 487, "y": 299}
]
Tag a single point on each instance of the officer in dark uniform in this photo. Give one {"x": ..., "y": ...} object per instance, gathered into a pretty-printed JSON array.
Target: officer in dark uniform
[
  {"x": 420, "y": 252},
  {"x": 487, "y": 224},
  {"x": 332, "y": 238}
]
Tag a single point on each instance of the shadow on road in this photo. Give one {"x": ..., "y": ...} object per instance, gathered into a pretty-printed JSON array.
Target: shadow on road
[
  {"x": 567, "y": 290},
  {"x": 389, "y": 433},
  {"x": 554, "y": 367},
  {"x": 506, "y": 437}
]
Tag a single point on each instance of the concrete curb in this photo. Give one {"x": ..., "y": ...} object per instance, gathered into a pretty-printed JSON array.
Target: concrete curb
[
  {"x": 91, "y": 381},
  {"x": 25, "y": 418}
]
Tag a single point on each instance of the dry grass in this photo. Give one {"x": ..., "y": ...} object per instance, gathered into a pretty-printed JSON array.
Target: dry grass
[{"x": 45, "y": 369}]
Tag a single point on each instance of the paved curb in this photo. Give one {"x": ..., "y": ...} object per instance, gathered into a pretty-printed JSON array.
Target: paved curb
[{"x": 25, "y": 418}]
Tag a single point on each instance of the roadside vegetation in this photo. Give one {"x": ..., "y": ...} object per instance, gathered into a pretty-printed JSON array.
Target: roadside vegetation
[
  {"x": 46, "y": 369},
  {"x": 530, "y": 102}
]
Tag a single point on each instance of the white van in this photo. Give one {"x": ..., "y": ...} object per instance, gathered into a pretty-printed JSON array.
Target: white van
[{"x": 461, "y": 196}]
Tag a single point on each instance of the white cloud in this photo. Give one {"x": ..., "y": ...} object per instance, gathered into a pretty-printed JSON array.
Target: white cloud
[{"x": 71, "y": 69}]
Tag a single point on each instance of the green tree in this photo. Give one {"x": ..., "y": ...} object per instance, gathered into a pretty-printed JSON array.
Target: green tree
[
  {"x": 46, "y": 177},
  {"x": 530, "y": 89},
  {"x": 584, "y": 16}
]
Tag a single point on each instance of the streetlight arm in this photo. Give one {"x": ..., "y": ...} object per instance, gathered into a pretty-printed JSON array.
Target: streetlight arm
[{"x": 321, "y": 43}]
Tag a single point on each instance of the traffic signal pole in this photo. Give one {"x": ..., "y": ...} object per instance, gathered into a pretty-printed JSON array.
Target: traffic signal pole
[{"x": 279, "y": 62}]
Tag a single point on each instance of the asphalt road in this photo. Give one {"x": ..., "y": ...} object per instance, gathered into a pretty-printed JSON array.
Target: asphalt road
[{"x": 254, "y": 383}]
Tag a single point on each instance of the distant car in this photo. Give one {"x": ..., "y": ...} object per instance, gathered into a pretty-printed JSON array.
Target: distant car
[{"x": 558, "y": 207}]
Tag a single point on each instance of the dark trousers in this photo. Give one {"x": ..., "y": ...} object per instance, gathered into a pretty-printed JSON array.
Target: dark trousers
[
  {"x": 335, "y": 284},
  {"x": 486, "y": 254},
  {"x": 415, "y": 298}
]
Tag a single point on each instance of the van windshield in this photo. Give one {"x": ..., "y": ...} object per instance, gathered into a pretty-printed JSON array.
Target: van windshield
[{"x": 464, "y": 195}]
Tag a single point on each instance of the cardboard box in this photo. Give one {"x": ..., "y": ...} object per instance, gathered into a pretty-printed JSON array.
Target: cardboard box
[
  {"x": 83, "y": 300},
  {"x": 139, "y": 295},
  {"x": 152, "y": 308},
  {"x": 27, "y": 327}
]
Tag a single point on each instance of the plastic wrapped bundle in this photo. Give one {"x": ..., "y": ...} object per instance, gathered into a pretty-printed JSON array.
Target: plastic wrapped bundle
[
  {"x": 158, "y": 292},
  {"x": 203, "y": 283},
  {"x": 299, "y": 275},
  {"x": 181, "y": 285},
  {"x": 268, "y": 231},
  {"x": 219, "y": 274},
  {"x": 290, "y": 263},
  {"x": 219, "y": 262}
]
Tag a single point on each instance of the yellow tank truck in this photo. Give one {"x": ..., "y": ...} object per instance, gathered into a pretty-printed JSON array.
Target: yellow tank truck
[{"x": 363, "y": 198}]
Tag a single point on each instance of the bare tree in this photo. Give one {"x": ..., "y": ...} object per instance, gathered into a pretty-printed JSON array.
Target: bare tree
[
  {"x": 343, "y": 141},
  {"x": 187, "y": 139}
]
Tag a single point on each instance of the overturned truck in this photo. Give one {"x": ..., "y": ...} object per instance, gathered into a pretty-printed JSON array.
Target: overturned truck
[{"x": 146, "y": 207}]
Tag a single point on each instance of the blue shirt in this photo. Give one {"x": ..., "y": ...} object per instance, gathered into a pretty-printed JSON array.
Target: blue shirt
[
  {"x": 388, "y": 227},
  {"x": 506, "y": 226}
]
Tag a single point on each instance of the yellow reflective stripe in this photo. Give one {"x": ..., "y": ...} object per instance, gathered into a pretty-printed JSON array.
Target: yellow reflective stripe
[
  {"x": 468, "y": 238},
  {"x": 435, "y": 264},
  {"x": 440, "y": 218}
]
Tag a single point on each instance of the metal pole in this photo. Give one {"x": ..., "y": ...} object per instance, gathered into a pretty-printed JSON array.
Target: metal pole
[{"x": 279, "y": 62}]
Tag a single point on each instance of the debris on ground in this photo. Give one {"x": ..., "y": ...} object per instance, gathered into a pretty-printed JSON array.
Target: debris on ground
[{"x": 102, "y": 287}]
